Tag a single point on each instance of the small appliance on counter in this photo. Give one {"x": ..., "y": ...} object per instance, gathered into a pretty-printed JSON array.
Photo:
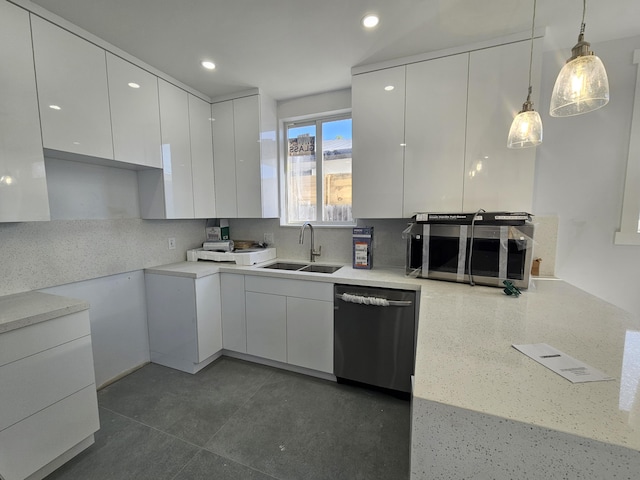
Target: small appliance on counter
[
  {"x": 250, "y": 256},
  {"x": 483, "y": 247}
]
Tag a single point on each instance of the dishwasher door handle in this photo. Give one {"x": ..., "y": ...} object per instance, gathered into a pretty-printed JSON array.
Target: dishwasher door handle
[{"x": 373, "y": 301}]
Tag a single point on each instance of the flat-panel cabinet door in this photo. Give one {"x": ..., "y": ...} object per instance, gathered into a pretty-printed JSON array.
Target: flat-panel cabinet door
[
  {"x": 224, "y": 155},
  {"x": 23, "y": 184},
  {"x": 436, "y": 106},
  {"x": 176, "y": 151},
  {"x": 234, "y": 324},
  {"x": 204, "y": 200},
  {"x": 135, "y": 113},
  {"x": 209, "y": 324},
  {"x": 378, "y": 143},
  {"x": 310, "y": 334},
  {"x": 496, "y": 177},
  {"x": 71, "y": 76},
  {"x": 246, "y": 121},
  {"x": 267, "y": 326}
]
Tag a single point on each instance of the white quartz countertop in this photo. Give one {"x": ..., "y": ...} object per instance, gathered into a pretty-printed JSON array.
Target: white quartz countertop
[
  {"x": 465, "y": 356},
  {"x": 24, "y": 309}
]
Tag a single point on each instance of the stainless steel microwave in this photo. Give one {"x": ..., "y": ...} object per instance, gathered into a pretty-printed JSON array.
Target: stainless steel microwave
[{"x": 482, "y": 254}]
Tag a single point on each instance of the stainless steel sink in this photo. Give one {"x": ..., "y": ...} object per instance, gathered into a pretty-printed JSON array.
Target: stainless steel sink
[
  {"x": 303, "y": 267},
  {"x": 320, "y": 268},
  {"x": 286, "y": 266}
]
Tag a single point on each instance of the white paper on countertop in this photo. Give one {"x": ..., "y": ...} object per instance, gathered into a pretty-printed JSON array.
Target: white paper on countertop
[{"x": 573, "y": 370}]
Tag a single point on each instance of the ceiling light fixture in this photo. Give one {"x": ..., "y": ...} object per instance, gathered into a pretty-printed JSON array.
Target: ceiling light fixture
[
  {"x": 388, "y": 88},
  {"x": 526, "y": 128},
  {"x": 208, "y": 65},
  {"x": 582, "y": 85},
  {"x": 133, "y": 85},
  {"x": 370, "y": 21}
]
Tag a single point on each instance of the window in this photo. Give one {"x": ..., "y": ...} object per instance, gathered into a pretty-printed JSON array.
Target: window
[
  {"x": 318, "y": 187},
  {"x": 629, "y": 233}
]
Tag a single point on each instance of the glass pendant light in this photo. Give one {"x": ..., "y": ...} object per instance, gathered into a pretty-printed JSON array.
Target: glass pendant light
[
  {"x": 582, "y": 85},
  {"x": 526, "y": 129}
]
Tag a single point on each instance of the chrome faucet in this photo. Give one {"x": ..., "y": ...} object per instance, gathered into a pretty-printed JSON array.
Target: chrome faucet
[{"x": 312, "y": 253}]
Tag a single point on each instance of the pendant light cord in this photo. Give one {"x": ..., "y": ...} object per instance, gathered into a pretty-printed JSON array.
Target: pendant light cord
[
  {"x": 533, "y": 26},
  {"x": 584, "y": 14}
]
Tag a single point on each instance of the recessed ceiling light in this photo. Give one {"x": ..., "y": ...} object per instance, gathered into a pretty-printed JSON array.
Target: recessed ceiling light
[
  {"x": 388, "y": 88},
  {"x": 54, "y": 107},
  {"x": 370, "y": 21},
  {"x": 208, "y": 65},
  {"x": 133, "y": 85}
]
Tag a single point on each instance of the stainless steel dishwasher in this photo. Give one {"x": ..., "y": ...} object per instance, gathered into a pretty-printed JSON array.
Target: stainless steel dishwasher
[{"x": 374, "y": 336}]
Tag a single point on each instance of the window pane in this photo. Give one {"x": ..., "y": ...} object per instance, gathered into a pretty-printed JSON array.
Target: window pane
[
  {"x": 301, "y": 174},
  {"x": 336, "y": 169}
]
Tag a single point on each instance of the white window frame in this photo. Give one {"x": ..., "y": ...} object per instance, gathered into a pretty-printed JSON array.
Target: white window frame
[
  {"x": 630, "y": 222},
  {"x": 302, "y": 121}
]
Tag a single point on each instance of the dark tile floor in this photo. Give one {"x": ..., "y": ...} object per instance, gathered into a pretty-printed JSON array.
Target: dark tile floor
[{"x": 238, "y": 420}]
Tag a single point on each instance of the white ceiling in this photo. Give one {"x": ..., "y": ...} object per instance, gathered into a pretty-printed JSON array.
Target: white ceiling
[{"x": 293, "y": 48}]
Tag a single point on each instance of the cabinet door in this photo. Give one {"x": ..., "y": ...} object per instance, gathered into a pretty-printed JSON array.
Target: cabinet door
[
  {"x": 496, "y": 177},
  {"x": 135, "y": 113},
  {"x": 378, "y": 143},
  {"x": 23, "y": 184},
  {"x": 246, "y": 115},
  {"x": 209, "y": 324},
  {"x": 436, "y": 107},
  {"x": 71, "y": 76},
  {"x": 234, "y": 325},
  {"x": 224, "y": 159},
  {"x": 204, "y": 200},
  {"x": 267, "y": 326},
  {"x": 176, "y": 151},
  {"x": 310, "y": 334}
]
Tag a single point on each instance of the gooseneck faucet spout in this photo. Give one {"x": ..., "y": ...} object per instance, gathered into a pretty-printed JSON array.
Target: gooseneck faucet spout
[{"x": 312, "y": 253}]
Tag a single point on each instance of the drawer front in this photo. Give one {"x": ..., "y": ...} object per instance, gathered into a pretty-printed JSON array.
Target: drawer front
[
  {"x": 33, "y": 383},
  {"x": 36, "y": 441},
  {"x": 290, "y": 288},
  {"x": 30, "y": 340}
]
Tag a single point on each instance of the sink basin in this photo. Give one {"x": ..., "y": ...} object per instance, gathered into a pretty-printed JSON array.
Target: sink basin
[
  {"x": 320, "y": 268},
  {"x": 303, "y": 267},
  {"x": 286, "y": 266}
]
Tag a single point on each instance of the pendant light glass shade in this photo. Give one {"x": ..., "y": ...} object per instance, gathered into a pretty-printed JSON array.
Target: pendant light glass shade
[
  {"x": 526, "y": 128},
  {"x": 582, "y": 86}
]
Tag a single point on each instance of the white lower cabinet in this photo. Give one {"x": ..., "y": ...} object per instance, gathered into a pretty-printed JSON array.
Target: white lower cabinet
[
  {"x": 234, "y": 322},
  {"x": 310, "y": 333},
  {"x": 290, "y": 321},
  {"x": 184, "y": 319},
  {"x": 48, "y": 395},
  {"x": 267, "y": 326}
]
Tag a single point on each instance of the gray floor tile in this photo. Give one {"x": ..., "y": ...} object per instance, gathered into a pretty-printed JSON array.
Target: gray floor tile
[
  {"x": 125, "y": 449},
  {"x": 206, "y": 466},
  {"x": 301, "y": 428},
  {"x": 191, "y": 407}
]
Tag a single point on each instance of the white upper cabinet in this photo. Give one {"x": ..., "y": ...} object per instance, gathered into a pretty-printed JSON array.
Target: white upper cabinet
[
  {"x": 23, "y": 184},
  {"x": 378, "y": 100},
  {"x": 204, "y": 201},
  {"x": 72, "y": 91},
  {"x": 496, "y": 177},
  {"x": 176, "y": 151},
  {"x": 435, "y": 123},
  {"x": 135, "y": 113},
  {"x": 244, "y": 142}
]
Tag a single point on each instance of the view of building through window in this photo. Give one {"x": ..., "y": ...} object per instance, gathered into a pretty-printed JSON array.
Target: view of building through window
[{"x": 318, "y": 188}]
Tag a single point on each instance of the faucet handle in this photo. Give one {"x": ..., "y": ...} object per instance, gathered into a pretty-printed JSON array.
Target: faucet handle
[{"x": 317, "y": 253}]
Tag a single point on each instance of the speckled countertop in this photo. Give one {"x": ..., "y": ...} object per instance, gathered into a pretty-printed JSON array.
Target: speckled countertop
[
  {"x": 24, "y": 309},
  {"x": 465, "y": 359}
]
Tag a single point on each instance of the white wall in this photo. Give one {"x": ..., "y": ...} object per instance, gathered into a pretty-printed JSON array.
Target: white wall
[{"x": 580, "y": 173}]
